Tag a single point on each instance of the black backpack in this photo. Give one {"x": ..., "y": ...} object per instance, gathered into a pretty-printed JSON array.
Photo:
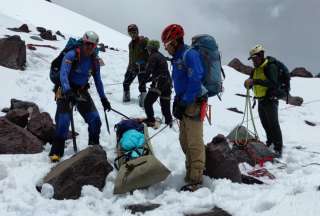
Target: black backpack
[
  {"x": 283, "y": 88},
  {"x": 72, "y": 44}
]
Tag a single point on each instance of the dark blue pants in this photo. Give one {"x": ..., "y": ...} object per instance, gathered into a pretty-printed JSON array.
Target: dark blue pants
[{"x": 89, "y": 113}]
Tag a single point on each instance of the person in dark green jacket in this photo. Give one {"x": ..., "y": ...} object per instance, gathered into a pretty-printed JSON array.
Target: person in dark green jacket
[
  {"x": 138, "y": 57},
  {"x": 264, "y": 80}
]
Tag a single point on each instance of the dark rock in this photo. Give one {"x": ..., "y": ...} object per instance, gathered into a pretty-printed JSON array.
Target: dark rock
[
  {"x": 41, "y": 125},
  {"x": 293, "y": 100},
  {"x": 17, "y": 140},
  {"x": 239, "y": 66},
  {"x": 318, "y": 76},
  {"x": 18, "y": 117},
  {"x": 5, "y": 110},
  {"x": 310, "y": 123},
  {"x": 250, "y": 180},
  {"x": 26, "y": 105},
  {"x": 22, "y": 28},
  {"x": 142, "y": 208},
  {"x": 216, "y": 211},
  {"x": 13, "y": 52},
  {"x": 37, "y": 38},
  {"x": 318, "y": 189},
  {"x": 235, "y": 109},
  {"x": 60, "y": 34},
  {"x": 220, "y": 162},
  {"x": 47, "y": 35},
  {"x": 301, "y": 72},
  {"x": 41, "y": 29},
  {"x": 102, "y": 47},
  {"x": 31, "y": 47},
  {"x": 88, "y": 167},
  {"x": 111, "y": 48}
]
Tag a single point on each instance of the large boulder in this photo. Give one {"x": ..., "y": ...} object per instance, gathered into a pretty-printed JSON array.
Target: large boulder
[
  {"x": 17, "y": 140},
  {"x": 41, "y": 125},
  {"x": 18, "y": 117},
  {"x": 239, "y": 66},
  {"x": 88, "y": 167},
  {"x": 301, "y": 72},
  {"x": 13, "y": 52},
  {"x": 220, "y": 162}
]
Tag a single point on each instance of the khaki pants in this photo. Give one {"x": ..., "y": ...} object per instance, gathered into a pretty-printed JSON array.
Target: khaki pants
[{"x": 191, "y": 141}]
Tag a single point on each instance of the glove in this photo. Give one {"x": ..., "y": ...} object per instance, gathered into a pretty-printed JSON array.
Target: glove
[
  {"x": 178, "y": 109},
  {"x": 248, "y": 83},
  {"x": 70, "y": 97},
  {"x": 106, "y": 104}
]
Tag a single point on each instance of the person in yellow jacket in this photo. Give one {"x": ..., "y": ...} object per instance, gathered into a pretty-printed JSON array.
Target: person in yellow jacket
[{"x": 264, "y": 80}]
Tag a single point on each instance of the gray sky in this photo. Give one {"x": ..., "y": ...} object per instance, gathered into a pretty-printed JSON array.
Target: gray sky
[{"x": 289, "y": 29}]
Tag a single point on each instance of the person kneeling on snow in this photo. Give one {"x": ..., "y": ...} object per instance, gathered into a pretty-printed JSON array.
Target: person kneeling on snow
[
  {"x": 157, "y": 72},
  {"x": 74, "y": 92}
]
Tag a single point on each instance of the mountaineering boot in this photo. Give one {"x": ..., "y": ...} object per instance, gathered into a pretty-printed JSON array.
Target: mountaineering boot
[
  {"x": 142, "y": 96},
  {"x": 191, "y": 187},
  {"x": 126, "y": 96},
  {"x": 55, "y": 158},
  {"x": 93, "y": 142},
  {"x": 278, "y": 153}
]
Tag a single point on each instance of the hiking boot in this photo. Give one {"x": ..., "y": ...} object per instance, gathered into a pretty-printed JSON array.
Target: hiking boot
[
  {"x": 191, "y": 187},
  {"x": 91, "y": 143},
  {"x": 55, "y": 158},
  {"x": 126, "y": 96},
  {"x": 142, "y": 96},
  {"x": 278, "y": 153}
]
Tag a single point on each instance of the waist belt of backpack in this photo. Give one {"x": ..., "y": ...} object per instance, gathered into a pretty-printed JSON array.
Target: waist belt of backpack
[{"x": 80, "y": 89}]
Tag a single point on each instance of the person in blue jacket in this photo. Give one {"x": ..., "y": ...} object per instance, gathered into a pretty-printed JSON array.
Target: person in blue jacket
[
  {"x": 187, "y": 75},
  {"x": 74, "y": 92}
]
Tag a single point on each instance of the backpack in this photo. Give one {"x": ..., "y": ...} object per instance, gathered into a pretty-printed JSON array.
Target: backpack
[
  {"x": 127, "y": 124},
  {"x": 283, "y": 77},
  {"x": 207, "y": 46},
  {"x": 72, "y": 44}
]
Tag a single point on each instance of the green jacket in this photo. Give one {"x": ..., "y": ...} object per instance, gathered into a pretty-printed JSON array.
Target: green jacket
[
  {"x": 271, "y": 80},
  {"x": 138, "y": 54}
]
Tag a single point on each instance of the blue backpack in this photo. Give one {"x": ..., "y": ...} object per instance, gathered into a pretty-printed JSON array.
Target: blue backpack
[{"x": 207, "y": 46}]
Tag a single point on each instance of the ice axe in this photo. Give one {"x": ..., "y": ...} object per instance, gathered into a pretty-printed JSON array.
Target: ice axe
[
  {"x": 107, "y": 122},
  {"x": 74, "y": 142}
]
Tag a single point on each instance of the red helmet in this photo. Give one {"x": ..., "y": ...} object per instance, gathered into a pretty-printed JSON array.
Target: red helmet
[{"x": 172, "y": 32}]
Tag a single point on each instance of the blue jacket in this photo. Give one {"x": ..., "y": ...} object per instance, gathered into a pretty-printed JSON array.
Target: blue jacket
[
  {"x": 80, "y": 76},
  {"x": 188, "y": 75}
]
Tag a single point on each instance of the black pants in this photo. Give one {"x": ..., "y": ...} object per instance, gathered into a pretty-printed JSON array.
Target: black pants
[
  {"x": 152, "y": 97},
  {"x": 268, "y": 113},
  {"x": 87, "y": 110},
  {"x": 131, "y": 75}
]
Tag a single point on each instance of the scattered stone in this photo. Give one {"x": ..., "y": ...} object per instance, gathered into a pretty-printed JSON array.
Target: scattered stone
[
  {"x": 47, "y": 35},
  {"x": 22, "y": 28},
  {"x": 60, "y": 34},
  {"x": 17, "y": 140},
  {"x": 142, "y": 208},
  {"x": 37, "y": 38},
  {"x": 88, "y": 167},
  {"x": 310, "y": 123},
  {"x": 250, "y": 180},
  {"x": 301, "y": 72},
  {"x": 216, "y": 211},
  {"x": 13, "y": 52},
  {"x": 101, "y": 47},
  {"x": 235, "y": 109},
  {"x": 41, "y": 29},
  {"x": 239, "y": 66}
]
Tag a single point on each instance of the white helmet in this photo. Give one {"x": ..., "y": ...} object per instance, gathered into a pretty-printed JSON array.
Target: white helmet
[
  {"x": 90, "y": 36},
  {"x": 255, "y": 50}
]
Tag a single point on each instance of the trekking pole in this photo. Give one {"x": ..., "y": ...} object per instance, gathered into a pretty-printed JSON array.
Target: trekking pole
[
  {"x": 120, "y": 113},
  {"x": 107, "y": 123},
  {"x": 164, "y": 127},
  {"x": 75, "y": 149}
]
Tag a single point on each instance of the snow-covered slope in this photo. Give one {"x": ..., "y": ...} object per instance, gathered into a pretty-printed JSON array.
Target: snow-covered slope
[{"x": 293, "y": 192}]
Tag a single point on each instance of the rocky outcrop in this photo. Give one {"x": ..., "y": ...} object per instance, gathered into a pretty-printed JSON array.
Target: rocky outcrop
[
  {"x": 220, "y": 162},
  {"x": 13, "y": 52},
  {"x": 301, "y": 72},
  {"x": 18, "y": 117},
  {"x": 41, "y": 125},
  {"x": 239, "y": 66},
  {"x": 17, "y": 140},
  {"x": 88, "y": 167}
]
